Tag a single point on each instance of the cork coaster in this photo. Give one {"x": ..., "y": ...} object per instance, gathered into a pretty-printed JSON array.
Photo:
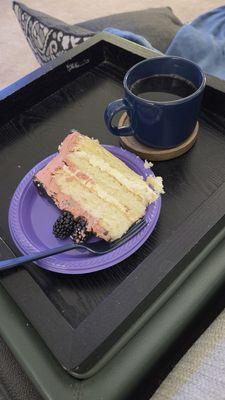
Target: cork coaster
[{"x": 154, "y": 154}]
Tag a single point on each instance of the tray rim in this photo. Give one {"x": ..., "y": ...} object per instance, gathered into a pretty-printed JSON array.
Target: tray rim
[
  {"x": 14, "y": 90},
  {"x": 40, "y": 366},
  {"x": 48, "y": 67},
  {"x": 216, "y": 85}
]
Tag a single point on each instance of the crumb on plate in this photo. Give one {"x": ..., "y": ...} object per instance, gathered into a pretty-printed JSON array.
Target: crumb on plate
[
  {"x": 148, "y": 164},
  {"x": 156, "y": 183}
]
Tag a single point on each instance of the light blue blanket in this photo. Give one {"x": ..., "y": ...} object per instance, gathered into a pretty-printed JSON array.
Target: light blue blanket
[
  {"x": 131, "y": 36},
  {"x": 201, "y": 41}
]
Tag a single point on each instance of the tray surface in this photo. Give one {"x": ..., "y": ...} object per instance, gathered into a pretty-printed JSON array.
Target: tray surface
[{"x": 194, "y": 202}]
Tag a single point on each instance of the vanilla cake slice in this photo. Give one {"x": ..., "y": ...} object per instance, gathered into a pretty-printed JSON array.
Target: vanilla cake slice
[{"x": 87, "y": 181}]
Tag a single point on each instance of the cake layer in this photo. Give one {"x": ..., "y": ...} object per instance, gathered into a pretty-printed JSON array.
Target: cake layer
[{"x": 87, "y": 180}]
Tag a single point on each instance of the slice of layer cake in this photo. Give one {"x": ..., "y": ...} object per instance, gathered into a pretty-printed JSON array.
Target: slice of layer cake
[{"x": 87, "y": 181}]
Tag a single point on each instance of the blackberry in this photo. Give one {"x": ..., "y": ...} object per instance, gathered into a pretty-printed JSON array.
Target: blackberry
[
  {"x": 80, "y": 232},
  {"x": 64, "y": 225},
  {"x": 40, "y": 187}
]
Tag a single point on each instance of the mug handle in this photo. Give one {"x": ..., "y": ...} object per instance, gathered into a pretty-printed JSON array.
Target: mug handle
[{"x": 111, "y": 110}]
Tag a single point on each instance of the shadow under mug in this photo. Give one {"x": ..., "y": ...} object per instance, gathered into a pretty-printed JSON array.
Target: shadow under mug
[{"x": 159, "y": 124}]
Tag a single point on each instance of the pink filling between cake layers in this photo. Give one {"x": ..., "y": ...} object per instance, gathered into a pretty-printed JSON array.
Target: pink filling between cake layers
[{"x": 63, "y": 201}]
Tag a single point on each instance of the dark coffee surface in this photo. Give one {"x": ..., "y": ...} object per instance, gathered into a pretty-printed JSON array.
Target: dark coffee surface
[{"x": 163, "y": 88}]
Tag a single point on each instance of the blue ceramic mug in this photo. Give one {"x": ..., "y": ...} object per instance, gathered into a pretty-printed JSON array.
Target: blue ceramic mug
[{"x": 161, "y": 124}]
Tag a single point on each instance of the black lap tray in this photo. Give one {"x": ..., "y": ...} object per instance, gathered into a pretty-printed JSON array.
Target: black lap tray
[{"x": 82, "y": 317}]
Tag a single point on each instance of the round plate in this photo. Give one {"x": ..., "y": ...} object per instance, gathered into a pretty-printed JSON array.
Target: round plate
[{"x": 32, "y": 216}]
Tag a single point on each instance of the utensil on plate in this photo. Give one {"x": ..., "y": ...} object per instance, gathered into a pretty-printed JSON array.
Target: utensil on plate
[{"x": 99, "y": 247}]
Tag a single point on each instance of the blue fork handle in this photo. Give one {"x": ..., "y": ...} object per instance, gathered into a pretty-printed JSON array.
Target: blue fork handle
[
  {"x": 14, "y": 262},
  {"x": 94, "y": 248}
]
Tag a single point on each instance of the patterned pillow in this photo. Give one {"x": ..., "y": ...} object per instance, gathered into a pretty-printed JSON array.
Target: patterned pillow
[{"x": 47, "y": 36}]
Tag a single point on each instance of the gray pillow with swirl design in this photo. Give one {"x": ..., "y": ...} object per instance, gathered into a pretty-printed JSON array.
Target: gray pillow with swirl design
[{"x": 48, "y": 37}]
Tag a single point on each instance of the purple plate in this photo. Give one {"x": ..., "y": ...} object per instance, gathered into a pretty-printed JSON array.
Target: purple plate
[{"x": 31, "y": 218}]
